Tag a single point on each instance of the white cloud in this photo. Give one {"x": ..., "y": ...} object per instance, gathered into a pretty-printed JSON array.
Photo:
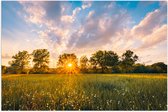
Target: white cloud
[
  {"x": 53, "y": 32},
  {"x": 67, "y": 19},
  {"x": 86, "y": 5},
  {"x": 100, "y": 28},
  {"x": 157, "y": 36},
  {"x": 152, "y": 20},
  {"x": 90, "y": 14},
  {"x": 70, "y": 18},
  {"x": 76, "y": 11},
  {"x": 34, "y": 12}
]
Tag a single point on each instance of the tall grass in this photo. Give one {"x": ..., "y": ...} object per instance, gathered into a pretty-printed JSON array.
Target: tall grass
[{"x": 83, "y": 92}]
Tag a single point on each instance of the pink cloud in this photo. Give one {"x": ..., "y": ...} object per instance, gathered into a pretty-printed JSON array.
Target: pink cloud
[
  {"x": 157, "y": 36},
  {"x": 98, "y": 30},
  {"x": 151, "y": 21}
]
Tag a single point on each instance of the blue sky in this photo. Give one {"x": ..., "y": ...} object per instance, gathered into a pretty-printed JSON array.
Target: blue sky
[{"x": 83, "y": 27}]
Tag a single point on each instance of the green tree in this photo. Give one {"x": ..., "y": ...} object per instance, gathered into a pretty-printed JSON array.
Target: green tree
[
  {"x": 159, "y": 67},
  {"x": 97, "y": 60},
  {"x": 20, "y": 62},
  {"x": 93, "y": 62},
  {"x": 140, "y": 68},
  {"x": 104, "y": 59},
  {"x": 41, "y": 60},
  {"x": 111, "y": 60},
  {"x": 128, "y": 60},
  {"x": 83, "y": 63}
]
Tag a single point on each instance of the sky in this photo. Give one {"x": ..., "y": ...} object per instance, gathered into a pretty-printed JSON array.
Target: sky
[{"x": 82, "y": 28}]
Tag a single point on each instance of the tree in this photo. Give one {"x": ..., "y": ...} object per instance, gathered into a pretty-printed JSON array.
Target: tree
[
  {"x": 104, "y": 59},
  {"x": 128, "y": 60},
  {"x": 111, "y": 60},
  {"x": 20, "y": 62},
  {"x": 93, "y": 63},
  {"x": 140, "y": 68},
  {"x": 41, "y": 60},
  {"x": 96, "y": 60},
  {"x": 4, "y": 69},
  {"x": 83, "y": 63},
  {"x": 159, "y": 67},
  {"x": 68, "y": 63}
]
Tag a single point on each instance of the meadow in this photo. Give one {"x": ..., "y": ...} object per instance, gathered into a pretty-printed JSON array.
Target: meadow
[{"x": 84, "y": 92}]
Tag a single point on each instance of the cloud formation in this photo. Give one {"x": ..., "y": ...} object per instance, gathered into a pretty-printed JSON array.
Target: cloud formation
[
  {"x": 87, "y": 27},
  {"x": 86, "y": 5},
  {"x": 100, "y": 27},
  {"x": 151, "y": 22}
]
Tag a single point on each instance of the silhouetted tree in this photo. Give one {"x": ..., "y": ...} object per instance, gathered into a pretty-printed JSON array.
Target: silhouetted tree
[
  {"x": 140, "y": 68},
  {"x": 128, "y": 60},
  {"x": 99, "y": 62},
  {"x": 111, "y": 60},
  {"x": 93, "y": 63},
  {"x": 20, "y": 62},
  {"x": 64, "y": 61},
  {"x": 159, "y": 67},
  {"x": 83, "y": 63},
  {"x": 41, "y": 60}
]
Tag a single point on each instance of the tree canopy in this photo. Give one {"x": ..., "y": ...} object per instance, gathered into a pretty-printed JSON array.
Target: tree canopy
[
  {"x": 67, "y": 62},
  {"x": 41, "y": 60},
  {"x": 104, "y": 59},
  {"x": 99, "y": 62},
  {"x": 128, "y": 60},
  {"x": 20, "y": 62},
  {"x": 83, "y": 63}
]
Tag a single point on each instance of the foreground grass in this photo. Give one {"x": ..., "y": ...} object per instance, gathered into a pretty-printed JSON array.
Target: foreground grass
[{"x": 84, "y": 92}]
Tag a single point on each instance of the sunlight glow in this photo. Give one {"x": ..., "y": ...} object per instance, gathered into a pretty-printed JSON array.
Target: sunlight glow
[
  {"x": 70, "y": 65},
  {"x": 70, "y": 68}
]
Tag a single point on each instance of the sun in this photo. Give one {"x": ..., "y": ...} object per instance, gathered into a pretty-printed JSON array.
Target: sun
[
  {"x": 71, "y": 68},
  {"x": 69, "y": 65}
]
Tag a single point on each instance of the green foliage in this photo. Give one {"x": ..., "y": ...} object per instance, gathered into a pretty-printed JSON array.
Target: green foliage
[
  {"x": 41, "y": 60},
  {"x": 128, "y": 60},
  {"x": 84, "y": 92},
  {"x": 159, "y": 67},
  {"x": 20, "y": 62},
  {"x": 99, "y": 62},
  {"x": 84, "y": 63},
  {"x": 116, "y": 69},
  {"x": 140, "y": 68},
  {"x": 104, "y": 59}
]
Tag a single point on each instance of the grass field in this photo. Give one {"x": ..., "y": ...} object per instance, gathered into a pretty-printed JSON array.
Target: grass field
[{"x": 84, "y": 92}]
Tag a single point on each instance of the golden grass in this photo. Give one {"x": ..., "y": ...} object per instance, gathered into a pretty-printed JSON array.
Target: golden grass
[
  {"x": 84, "y": 92},
  {"x": 150, "y": 76}
]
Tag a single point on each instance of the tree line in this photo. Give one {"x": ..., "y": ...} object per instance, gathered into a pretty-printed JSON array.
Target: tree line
[{"x": 101, "y": 61}]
